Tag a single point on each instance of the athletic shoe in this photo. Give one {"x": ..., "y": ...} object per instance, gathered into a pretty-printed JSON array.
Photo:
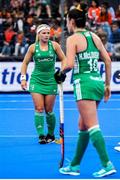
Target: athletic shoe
[
  {"x": 42, "y": 139},
  {"x": 105, "y": 171},
  {"x": 117, "y": 148},
  {"x": 49, "y": 138},
  {"x": 71, "y": 170}
]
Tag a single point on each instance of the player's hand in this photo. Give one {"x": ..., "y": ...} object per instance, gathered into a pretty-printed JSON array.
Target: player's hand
[
  {"x": 59, "y": 76},
  {"x": 24, "y": 84},
  {"x": 107, "y": 93}
]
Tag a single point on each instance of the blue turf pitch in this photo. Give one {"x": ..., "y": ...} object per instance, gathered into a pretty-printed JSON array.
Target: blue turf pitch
[{"x": 21, "y": 157}]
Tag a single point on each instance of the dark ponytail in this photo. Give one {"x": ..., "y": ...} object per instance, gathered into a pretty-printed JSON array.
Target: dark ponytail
[{"x": 79, "y": 16}]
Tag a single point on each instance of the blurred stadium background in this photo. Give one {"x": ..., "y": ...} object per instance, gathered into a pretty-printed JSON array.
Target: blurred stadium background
[
  {"x": 18, "y": 22},
  {"x": 20, "y": 154}
]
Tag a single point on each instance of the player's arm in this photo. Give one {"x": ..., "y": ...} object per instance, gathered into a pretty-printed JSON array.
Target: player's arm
[
  {"x": 27, "y": 59},
  {"x": 105, "y": 57},
  {"x": 107, "y": 62},
  {"x": 70, "y": 52},
  {"x": 60, "y": 55},
  {"x": 60, "y": 75},
  {"x": 24, "y": 66}
]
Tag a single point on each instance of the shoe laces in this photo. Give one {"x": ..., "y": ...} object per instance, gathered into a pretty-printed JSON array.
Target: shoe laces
[{"x": 101, "y": 171}]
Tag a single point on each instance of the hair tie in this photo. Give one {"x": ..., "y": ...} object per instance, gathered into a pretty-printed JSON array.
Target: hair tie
[{"x": 79, "y": 8}]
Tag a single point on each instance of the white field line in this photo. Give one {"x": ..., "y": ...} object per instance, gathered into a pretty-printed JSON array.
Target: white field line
[
  {"x": 59, "y": 179},
  {"x": 25, "y": 101},
  {"x": 34, "y": 136},
  {"x": 28, "y": 95},
  {"x": 66, "y": 109}
]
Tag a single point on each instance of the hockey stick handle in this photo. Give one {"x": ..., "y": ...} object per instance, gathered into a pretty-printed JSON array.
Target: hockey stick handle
[
  {"x": 61, "y": 123},
  {"x": 61, "y": 103}
]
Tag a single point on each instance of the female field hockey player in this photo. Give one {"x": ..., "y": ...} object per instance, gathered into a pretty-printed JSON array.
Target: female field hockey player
[
  {"x": 83, "y": 50},
  {"x": 43, "y": 86}
]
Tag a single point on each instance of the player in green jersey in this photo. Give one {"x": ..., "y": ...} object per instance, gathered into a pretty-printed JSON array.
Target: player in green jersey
[
  {"x": 83, "y": 50},
  {"x": 43, "y": 86}
]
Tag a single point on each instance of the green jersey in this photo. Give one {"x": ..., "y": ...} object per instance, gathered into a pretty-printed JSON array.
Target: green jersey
[
  {"x": 42, "y": 79},
  {"x": 87, "y": 61},
  {"x": 88, "y": 83}
]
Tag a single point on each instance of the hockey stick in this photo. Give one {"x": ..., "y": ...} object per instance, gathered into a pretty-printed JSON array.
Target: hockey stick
[{"x": 61, "y": 124}]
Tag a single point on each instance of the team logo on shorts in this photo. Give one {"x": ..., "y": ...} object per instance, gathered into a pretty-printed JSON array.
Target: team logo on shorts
[
  {"x": 54, "y": 90},
  {"x": 32, "y": 87}
]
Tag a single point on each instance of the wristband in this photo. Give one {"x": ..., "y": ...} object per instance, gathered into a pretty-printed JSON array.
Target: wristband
[{"x": 23, "y": 77}]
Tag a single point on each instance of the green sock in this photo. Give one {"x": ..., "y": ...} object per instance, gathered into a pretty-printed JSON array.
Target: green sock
[
  {"x": 39, "y": 123},
  {"x": 82, "y": 143},
  {"x": 51, "y": 121},
  {"x": 99, "y": 143}
]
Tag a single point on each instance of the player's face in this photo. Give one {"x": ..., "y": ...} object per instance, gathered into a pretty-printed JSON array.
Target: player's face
[
  {"x": 44, "y": 35},
  {"x": 69, "y": 25}
]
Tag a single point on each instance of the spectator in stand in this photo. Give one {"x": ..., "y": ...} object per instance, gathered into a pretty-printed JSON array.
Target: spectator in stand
[
  {"x": 32, "y": 5},
  {"x": 56, "y": 31},
  {"x": 64, "y": 9},
  {"x": 25, "y": 8},
  {"x": 29, "y": 23},
  {"x": 115, "y": 33},
  {"x": 1, "y": 18},
  {"x": 79, "y": 4},
  {"x": 105, "y": 16},
  {"x": 115, "y": 39},
  {"x": 108, "y": 46},
  {"x": 18, "y": 21},
  {"x": 1, "y": 30},
  {"x": 76, "y": 3},
  {"x": 21, "y": 44},
  {"x": 9, "y": 35},
  {"x": 117, "y": 14},
  {"x": 105, "y": 19},
  {"x": 44, "y": 4},
  {"x": 1, "y": 41},
  {"x": 55, "y": 9},
  {"x": 94, "y": 12},
  {"x": 4, "y": 3},
  {"x": 16, "y": 4},
  {"x": 110, "y": 9},
  {"x": 30, "y": 36},
  {"x": 9, "y": 18}
]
